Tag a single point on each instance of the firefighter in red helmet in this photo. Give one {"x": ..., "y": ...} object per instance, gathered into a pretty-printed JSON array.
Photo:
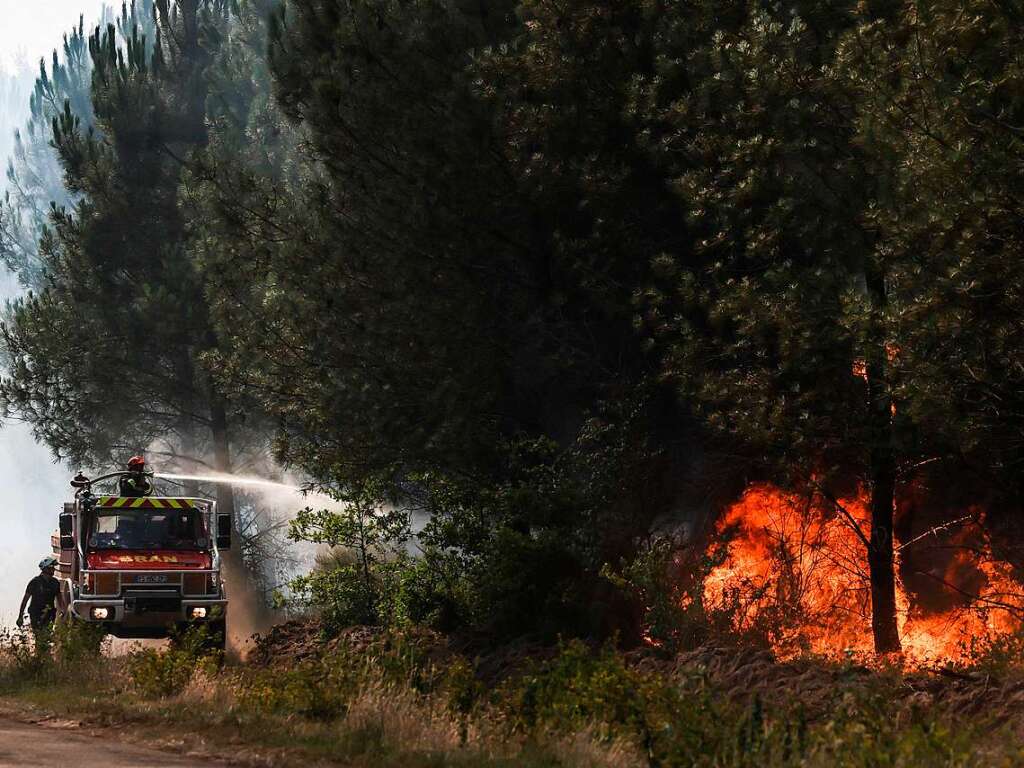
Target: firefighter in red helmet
[{"x": 135, "y": 483}]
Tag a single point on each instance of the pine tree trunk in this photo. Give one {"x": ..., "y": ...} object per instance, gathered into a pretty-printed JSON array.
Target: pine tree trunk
[
  {"x": 222, "y": 462},
  {"x": 880, "y": 553},
  {"x": 246, "y": 611},
  {"x": 882, "y": 469}
]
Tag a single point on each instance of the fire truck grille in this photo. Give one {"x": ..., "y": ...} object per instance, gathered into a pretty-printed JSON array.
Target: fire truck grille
[{"x": 157, "y": 604}]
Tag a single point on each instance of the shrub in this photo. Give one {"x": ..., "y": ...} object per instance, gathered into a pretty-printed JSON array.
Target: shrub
[
  {"x": 21, "y": 657},
  {"x": 319, "y": 690},
  {"x": 435, "y": 592},
  {"x": 577, "y": 689},
  {"x": 667, "y": 581},
  {"x": 996, "y": 654},
  {"x": 166, "y": 672},
  {"x": 347, "y": 595},
  {"x": 78, "y": 643}
]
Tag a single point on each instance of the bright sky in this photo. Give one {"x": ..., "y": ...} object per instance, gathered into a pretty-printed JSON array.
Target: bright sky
[{"x": 30, "y": 29}]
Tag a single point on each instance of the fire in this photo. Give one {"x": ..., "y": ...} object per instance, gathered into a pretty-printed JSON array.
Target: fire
[{"x": 794, "y": 571}]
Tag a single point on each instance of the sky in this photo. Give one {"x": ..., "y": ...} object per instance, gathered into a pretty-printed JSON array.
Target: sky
[
  {"x": 30, "y": 29},
  {"x": 32, "y": 487}
]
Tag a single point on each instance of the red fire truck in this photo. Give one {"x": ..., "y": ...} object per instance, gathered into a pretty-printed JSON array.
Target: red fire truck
[{"x": 142, "y": 567}]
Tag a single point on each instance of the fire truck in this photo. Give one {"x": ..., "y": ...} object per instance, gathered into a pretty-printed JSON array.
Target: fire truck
[{"x": 142, "y": 567}]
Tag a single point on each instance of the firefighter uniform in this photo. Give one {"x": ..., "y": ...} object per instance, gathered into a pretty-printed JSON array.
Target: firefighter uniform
[
  {"x": 42, "y": 591},
  {"x": 135, "y": 484}
]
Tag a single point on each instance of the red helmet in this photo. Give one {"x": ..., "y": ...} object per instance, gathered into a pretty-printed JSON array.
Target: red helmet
[{"x": 136, "y": 463}]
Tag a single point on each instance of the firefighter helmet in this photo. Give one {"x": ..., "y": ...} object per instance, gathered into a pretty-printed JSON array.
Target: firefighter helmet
[
  {"x": 47, "y": 562},
  {"x": 136, "y": 464}
]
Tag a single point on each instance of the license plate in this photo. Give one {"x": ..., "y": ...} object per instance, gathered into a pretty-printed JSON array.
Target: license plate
[{"x": 151, "y": 578}]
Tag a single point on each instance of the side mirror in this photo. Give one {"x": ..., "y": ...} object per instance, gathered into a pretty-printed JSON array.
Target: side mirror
[
  {"x": 67, "y": 530},
  {"x": 223, "y": 531}
]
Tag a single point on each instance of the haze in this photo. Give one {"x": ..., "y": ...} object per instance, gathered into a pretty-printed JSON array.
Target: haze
[
  {"x": 32, "y": 28},
  {"x": 32, "y": 488}
]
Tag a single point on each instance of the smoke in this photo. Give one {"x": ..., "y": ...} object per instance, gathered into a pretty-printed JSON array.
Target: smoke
[
  {"x": 31, "y": 30},
  {"x": 32, "y": 486},
  {"x": 264, "y": 508}
]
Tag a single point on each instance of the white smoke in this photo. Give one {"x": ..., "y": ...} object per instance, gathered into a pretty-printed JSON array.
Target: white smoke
[
  {"x": 32, "y": 29},
  {"x": 32, "y": 487}
]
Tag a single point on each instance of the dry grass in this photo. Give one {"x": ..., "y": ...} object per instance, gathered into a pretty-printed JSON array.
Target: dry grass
[
  {"x": 419, "y": 724},
  {"x": 383, "y": 708},
  {"x": 587, "y": 748},
  {"x": 385, "y": 724}
]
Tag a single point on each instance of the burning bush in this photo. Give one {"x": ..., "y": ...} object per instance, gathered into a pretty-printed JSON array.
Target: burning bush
[{"x": 794, "y": 578}]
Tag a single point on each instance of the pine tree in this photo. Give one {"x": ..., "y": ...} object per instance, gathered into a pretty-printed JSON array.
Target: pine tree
[
  {"x": 34, "y": 176},
  {"x": 108, "y": 356},
  {"x": 783, "y": 295},
  {"x": 941, "y": 108}
]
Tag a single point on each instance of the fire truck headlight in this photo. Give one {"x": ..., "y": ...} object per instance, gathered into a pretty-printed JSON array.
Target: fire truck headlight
[
  {"x": 199, "y": 612},
  {"x": 100, "y": 614}
]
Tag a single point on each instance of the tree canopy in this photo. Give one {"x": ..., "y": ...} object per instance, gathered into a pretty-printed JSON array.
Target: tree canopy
[{"x": 542, "y": 274}]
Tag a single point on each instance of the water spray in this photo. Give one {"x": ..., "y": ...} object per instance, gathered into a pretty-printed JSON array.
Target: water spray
[{"x": 228, "y": 479}]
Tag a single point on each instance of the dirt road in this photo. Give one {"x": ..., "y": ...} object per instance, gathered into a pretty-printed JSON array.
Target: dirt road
[{"x": 38, "y": 745}]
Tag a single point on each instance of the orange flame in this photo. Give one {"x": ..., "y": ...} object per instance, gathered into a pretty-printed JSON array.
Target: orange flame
[{"x": 794, "y": 573}]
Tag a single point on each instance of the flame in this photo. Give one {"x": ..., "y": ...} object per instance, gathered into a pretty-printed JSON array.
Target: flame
[{"x": 794, "y": 572}]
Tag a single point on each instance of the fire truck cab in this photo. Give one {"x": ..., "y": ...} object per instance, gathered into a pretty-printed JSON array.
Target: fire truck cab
[{"x": 143, "y": 567}]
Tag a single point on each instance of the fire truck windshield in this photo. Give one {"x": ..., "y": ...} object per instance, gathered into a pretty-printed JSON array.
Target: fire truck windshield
[{"x": 181, "y": 529}]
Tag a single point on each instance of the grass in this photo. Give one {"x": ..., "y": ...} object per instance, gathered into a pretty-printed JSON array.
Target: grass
[{"x": 388, "y": 705}]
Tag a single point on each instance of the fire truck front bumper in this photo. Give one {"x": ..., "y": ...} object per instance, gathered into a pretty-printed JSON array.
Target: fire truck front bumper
[{"x": 147, "y": 611}]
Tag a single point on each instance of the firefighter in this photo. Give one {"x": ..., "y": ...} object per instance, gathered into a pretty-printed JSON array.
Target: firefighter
[
  {"x": 135, "y": 483},
  {"x": 43, "y": 598}
]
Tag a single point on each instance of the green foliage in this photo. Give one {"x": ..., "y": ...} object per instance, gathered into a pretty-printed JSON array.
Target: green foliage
[
  {"x": 944, "y": 133},
  {"x": 521, "y": 271},
  {"x": 77, "y": 643},
  {"x": 21, "y": 657},
  {"x": 69, "y": 651},
  {"x": 122, "y": 239},
  {"x": 391, "y": 699},
  {"x": 33, "y": 173},
  {"x": 351, "y": 594},
  {"x": 365, "y": 590},
  {"x": 998, "y": 656},
  {"x": 579, "y": 688},
  {"x": 312, "y": 690},
  {"x": 436, "y": 591},
  {"x": 667, "y": 581},
  {"x": 166, "y": 672},
  {"x": 324, "y": 687},
  {"x": 685, "y": 723}
]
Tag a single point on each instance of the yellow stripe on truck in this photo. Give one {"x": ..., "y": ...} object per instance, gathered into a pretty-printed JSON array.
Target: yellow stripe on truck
[{"x": 109, "y": 502}]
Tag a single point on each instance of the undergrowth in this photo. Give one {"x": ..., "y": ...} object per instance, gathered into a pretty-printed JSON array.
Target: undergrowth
[{"x": 390, "y": 703}]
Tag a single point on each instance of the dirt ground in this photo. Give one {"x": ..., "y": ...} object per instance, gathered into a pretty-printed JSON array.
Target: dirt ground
[{"x": 57, "y": 742}]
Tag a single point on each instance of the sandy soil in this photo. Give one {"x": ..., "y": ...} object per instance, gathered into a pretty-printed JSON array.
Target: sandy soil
[{"x": 62, "y": 743}]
